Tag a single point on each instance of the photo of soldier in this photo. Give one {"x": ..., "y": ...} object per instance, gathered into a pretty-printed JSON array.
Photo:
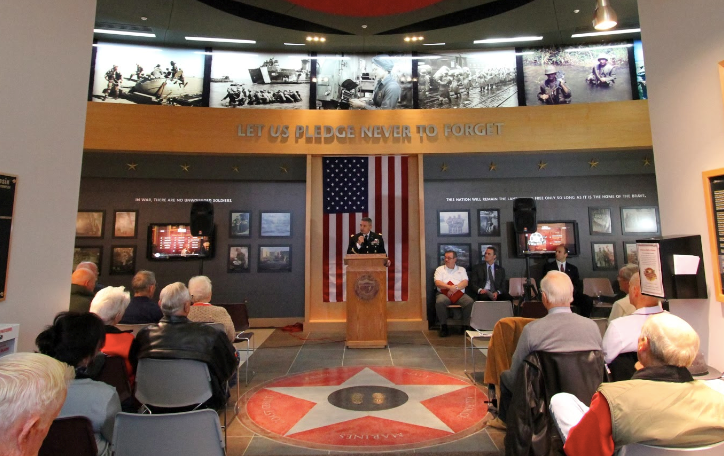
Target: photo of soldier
[
  {"x": 470, "y": 80},
  {"x": 640, "y": 70},
  {"x": 364, "y": 82},
  {"x": 582, "y": 74},
  {"x": 260, "y": 81},
  {"x": 178, "y": 83}
]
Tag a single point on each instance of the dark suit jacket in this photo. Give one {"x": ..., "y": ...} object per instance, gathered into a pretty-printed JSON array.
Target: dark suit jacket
[
  {"x": 571, "y": 271},
  {"x": 374, "y": 244},
  {"x": 479, "y": 277}
]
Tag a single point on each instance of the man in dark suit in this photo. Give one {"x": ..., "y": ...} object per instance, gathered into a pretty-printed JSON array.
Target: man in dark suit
[
  {"x": 366, "y": 241},
  {"x": 487, "y": 280},
  {"x": 583, "y": 303}
]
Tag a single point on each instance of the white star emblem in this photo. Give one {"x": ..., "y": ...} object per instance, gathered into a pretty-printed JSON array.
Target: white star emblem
[{"x": 324, "y": 413}]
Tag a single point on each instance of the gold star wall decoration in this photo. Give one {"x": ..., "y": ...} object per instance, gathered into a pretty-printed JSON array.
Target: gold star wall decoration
[
  {"x": 647, "y": 161},
  {"x": 235, "y": 169},
  {"x": 131, "y": 166},
  {"x": 185, "y": 167},
  {"x": 283, "y": 169},
  {"x": 593, "y": 163},
  {"x": 542, "y": 165},
  {"x": 492, "y": 167},
  {"x": 443, "y": 168}
]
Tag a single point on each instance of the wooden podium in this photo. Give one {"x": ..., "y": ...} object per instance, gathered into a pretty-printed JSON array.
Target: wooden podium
[{"x": 366, "y": 301}]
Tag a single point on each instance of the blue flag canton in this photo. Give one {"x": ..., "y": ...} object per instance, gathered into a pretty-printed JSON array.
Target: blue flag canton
[{"x": 345, "y": 184}]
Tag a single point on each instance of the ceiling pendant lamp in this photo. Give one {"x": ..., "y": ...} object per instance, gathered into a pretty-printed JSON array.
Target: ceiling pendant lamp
[{"x": 604, "y": 17}]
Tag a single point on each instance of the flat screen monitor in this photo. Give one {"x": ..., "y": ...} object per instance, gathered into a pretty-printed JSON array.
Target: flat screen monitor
[
  {"x": 548, "y": 236},
  {"x": 174, "y": 241}
]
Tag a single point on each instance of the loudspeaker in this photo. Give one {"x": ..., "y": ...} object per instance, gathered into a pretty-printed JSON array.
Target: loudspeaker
[
  {"x": 524, "y": 214},
  {"x": 202, "y": 218}
]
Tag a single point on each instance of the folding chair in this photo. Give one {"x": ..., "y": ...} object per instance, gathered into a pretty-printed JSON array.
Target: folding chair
[
  {"x": 248, "y": 338},
  {"x": 516, "y": 288},
  {"x": 533, "y": 309},
  {"x": 597, "y": 287},
  {"x": 70, "y": 436},
  {"x": 194, "y": 433},
  {"x": 639, "y": 449},
  {"x": 484, "y": 316},
  {"x": 114, "y": 373},
  {"x": 173, "y": 383}
]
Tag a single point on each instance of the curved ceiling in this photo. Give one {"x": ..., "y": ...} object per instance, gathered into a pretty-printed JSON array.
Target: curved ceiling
[{"x": 364, "y": 8}]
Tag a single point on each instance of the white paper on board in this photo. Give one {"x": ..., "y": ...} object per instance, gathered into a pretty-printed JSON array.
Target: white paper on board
[{"x": 686, "y": 264}]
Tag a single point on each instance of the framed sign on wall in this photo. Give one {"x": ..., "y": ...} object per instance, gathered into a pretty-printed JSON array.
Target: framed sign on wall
[
  {"x": 8, "y": 183},
  {"x": 714, "y": 199}
]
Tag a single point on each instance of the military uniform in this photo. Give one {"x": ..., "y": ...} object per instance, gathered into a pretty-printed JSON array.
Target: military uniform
[{"x": 373, "y": 244}]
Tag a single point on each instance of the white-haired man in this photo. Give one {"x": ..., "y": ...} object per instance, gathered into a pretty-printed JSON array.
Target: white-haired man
[
  {"x": 176, "y": 337},
  {"x": 661, "y": 405},
  {"x": 32, "y": 392},
  {"x": 110, "y": 304},
  {"x": 559, "y": 331},
  {"x": 623, "y": 306},
  {"x": 202, "y": 311}
]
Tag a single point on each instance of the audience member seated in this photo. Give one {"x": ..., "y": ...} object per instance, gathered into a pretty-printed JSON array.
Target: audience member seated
[
  {"x": 559, "y": 331},
  {"x": 32, "y": 391},
  {"x": 583, "y": 303},
  {"x": 175, "y": 337},
  {"x": 202, "y": 311},
  {"x": 142, "y": 308},
  {"x": 487, "y": 280},
  {"x": 662, "y": 405},
  {"x": 109, "y": 304},
  {"x": 622, "y": 334},
  {"x": 451, "y": 280},
  {"x": 82, "y": 283},
  {"x": 91, "y": 266},
  {"x": 623, "y": 306},
  {"x": 75, "y": 339}
]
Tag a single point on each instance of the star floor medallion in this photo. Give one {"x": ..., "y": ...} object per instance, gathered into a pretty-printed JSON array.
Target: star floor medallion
[{"x": 365, "y": 408}]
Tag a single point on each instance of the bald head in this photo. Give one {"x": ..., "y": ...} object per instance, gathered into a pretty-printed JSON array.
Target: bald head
[
  {"x": 85, "y": 278},
  {"x": 91, "y": 266},
  {"x": 667, "y": 340},
  {"x": 557, "y": 289},
  {"x": 637, "y": 299}
]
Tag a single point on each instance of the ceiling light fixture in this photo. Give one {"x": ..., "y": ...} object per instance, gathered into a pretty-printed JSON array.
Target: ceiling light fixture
[
  {"x": 598, "y": 47},
  {"x": 294, "y": 44},
  {"x": 123, "y": 32},
  {"x": 414, "y": 38},
  {"x": 433, "y": 44},
  {"x": 514, "y": 39},
  {"x": 219, "y": 40},
  {"x": 316, "y": 39},
  {"x": 604, "y": 17},
  {"x": 610, "y": 32}
]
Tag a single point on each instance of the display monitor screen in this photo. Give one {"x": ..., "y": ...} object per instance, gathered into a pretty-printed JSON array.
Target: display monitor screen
[
  {"x": 169, "y": 241},
  {"x": 548, "y": 236}
]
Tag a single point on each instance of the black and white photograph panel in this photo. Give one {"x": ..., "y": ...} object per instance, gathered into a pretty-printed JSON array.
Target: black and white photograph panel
[
  {"x": 238, "y": 258},
  {"x": 577, "y": 74},
  {"x": 453, "y": 223},
  {"x": 461, "y": 250},
  {"x": 467, "y": 80},
  {"x": 489, "y": 222},
  {"x": 259, "y": 81},
  {"x": 635, "y": 220},
  {"x": 364, "y": 82},
  {"x": 148, "y": 75},
  {"x": 275, "y": 224}
]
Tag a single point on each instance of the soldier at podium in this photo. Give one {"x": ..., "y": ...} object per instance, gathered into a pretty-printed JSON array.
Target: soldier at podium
[{"x": 366, "y": 241}]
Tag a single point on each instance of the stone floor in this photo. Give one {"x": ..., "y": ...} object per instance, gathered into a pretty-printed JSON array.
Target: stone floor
[{"x": 282, "y": 354}]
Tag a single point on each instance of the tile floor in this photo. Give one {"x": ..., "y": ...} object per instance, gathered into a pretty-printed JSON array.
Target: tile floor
[{"x": 279, "y": 354}]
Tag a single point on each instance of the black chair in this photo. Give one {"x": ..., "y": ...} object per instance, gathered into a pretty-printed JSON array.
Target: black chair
[
  {"x": 114, "y": 373},
  {"x": 239, "y": 315},
  {"x": 71, "y": 436},
  {"x": 533, "y": 309},
  {"x": 623, "y": 366},
  {"x": 530, "y": 428}
]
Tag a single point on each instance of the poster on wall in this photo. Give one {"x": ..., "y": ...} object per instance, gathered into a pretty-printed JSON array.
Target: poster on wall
[
  {"x": 640, "y": 70},
  {"x": 341, "y": 79},
  {"x": 714, "y": 191},
  {"x": 577, "y": 74},
  {"x": 148, "y": 75},
  {"x": 8, "y": 184},
  {"x": 468, "y": 80},
  {"x": 259, "y": 81}
]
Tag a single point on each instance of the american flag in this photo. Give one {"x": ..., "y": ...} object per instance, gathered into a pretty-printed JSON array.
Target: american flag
[{"x": 356, "y": 187}]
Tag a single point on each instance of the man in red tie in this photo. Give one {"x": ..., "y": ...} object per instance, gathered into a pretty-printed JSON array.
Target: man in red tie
[{"x": 583, "y": 303}]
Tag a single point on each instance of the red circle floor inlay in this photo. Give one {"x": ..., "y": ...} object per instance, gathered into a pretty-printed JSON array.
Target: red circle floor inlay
[{"x": 360, "y": 408}]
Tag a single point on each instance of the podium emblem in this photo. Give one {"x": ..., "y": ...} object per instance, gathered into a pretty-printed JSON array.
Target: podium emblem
[{"x": 366, "y": 287}]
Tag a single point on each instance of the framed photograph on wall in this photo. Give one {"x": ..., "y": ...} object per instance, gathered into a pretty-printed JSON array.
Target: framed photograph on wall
[
  {"x": 604, "y": 256},
  {"x": 88, "y": 253},
  {"x": 482, "y": 247},
  {"x": 125, "y": 224},
  {"x": 238, "y": 258},
  {"x": 599, "y": 220},
  {"x": 640, "y": 220},
  {"x": 275, "y": 224},
  {"x": 630, "y": 253},
  {"x": 239, "y": 224},
  {"x": 89, "y": 224},
  {"x": 123, "y": 260},
  {"x": 462, "y": 251},
  {"x": 453, "y": 223},
  {"x": 489, "y": 222},
  {"x": 275, "y": 258}
]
